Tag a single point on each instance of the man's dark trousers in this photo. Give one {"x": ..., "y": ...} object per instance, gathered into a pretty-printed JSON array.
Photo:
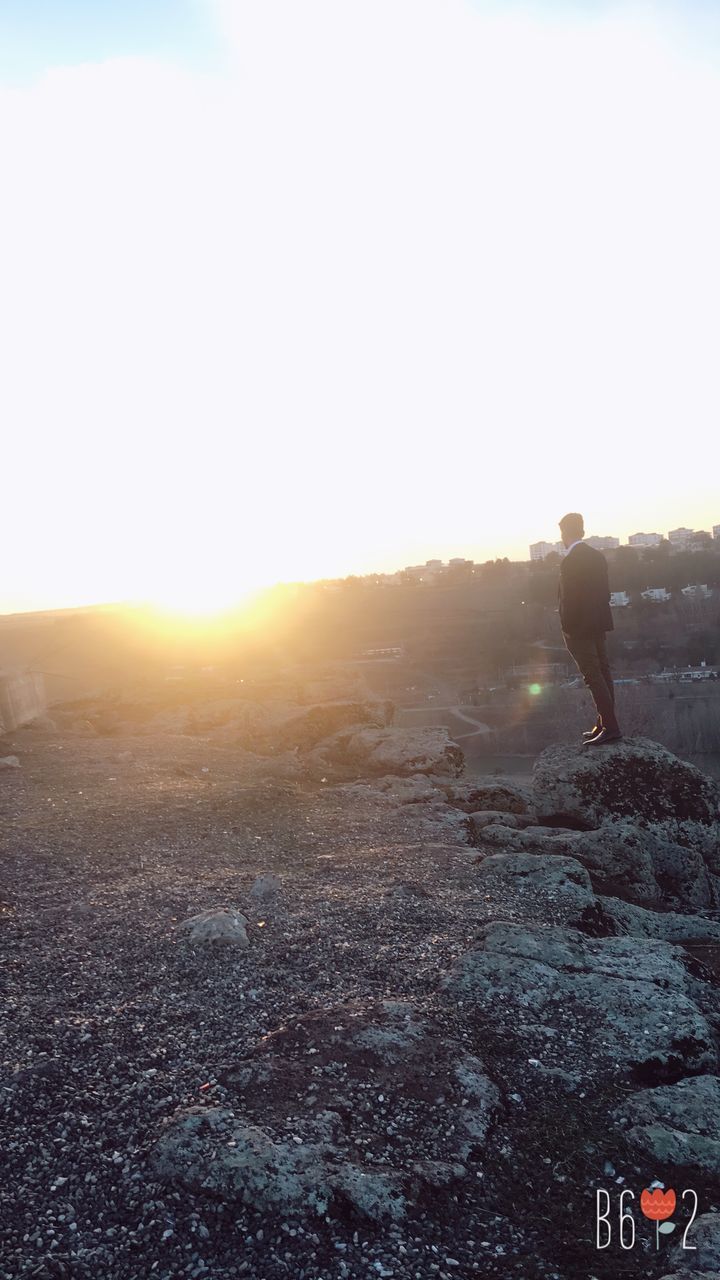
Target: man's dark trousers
[{"x": 590, "y": 653}]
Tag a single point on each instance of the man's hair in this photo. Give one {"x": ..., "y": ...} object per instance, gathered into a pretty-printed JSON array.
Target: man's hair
[{"x": 573, "y": 523}]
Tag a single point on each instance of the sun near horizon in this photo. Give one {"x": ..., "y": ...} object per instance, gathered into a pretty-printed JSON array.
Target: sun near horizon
[
  {"x": 209, "y": 580},
  {"x": 183, "y": 599}
]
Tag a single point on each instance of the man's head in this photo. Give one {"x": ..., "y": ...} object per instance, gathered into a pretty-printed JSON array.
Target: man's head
[{"x": 571, "y": 528}]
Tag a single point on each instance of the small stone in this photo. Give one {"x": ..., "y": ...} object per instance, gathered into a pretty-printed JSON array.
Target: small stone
[
  {"x": 266, "y": 886},
  {"x": 217, "y": 925}
]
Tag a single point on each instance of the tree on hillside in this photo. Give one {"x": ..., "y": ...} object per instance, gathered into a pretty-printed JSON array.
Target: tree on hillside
[
  {"x": 457, "y": 574},
  {"x": 542, "y": 588},
  {"x": 627, "y": 572}
]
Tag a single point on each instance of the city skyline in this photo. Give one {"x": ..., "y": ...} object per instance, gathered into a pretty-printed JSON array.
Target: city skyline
[
  {"x": 263, "y": 324},
  {"x": 433, "y": 567},
  {"x": 681, "y": 536}
]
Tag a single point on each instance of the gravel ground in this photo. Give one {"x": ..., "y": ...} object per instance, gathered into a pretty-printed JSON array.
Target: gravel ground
[{"x": 110, "y": 1022}]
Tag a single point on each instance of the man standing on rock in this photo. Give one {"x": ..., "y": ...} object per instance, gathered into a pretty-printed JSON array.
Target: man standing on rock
[{"x": 585, "y": 616}]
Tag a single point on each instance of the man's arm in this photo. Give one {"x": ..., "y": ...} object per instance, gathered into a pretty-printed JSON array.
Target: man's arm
[
  {"x": 572, "y": 596},
  {"x": 605, "y": 579}
]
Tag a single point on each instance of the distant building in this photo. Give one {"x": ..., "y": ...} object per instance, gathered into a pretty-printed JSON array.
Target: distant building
[
  {"x": 655, "y": 593},
  {"x": 618, "y": 599},
  {"x": 539, "y": 550},
  {"x": 603, "y": 544},
  {"x": 543, "y": 674},
  {"x": 431, "y": 571},
  {"x": 460, "y": 560},
  {"x": 703, "y": 672},
  {"x": 644, "y": 539},
  {"x": 686, "y": 674},
  {"x": 716, "y": 531},
  {"x": 700, "y": 540},
  {"x": 390, "y": 651},
  {"x": 680, "y": 537}
]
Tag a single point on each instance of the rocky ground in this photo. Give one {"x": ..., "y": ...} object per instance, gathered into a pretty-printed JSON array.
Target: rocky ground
[{"x": 421, "y": 1022}]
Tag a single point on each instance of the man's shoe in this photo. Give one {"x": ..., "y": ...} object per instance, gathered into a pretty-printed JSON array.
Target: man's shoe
[
  {"x": 592, "y": 733},
  {"x": 605, "y": 735}
]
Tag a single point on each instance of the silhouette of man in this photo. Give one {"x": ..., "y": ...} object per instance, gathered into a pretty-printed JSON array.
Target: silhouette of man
[{"x": 585, "y": 616}]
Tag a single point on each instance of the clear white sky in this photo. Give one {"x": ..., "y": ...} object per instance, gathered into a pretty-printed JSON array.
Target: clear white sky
[{"x": 300, "y": 288}]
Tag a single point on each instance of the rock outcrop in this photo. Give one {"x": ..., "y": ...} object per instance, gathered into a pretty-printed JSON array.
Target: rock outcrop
[
  {"x": 676, "y": 1125},
  {"x": 704, "y": 1258},
  {"x": 493, "y": 818},
  {"x": 634, "y": 778},
  {"x": 612, "y": 915},
  {"x": 585, "y": 1005},
  {"x": 414, "y": 789},
  {"x": 503, "y": 795},
  {"x": 558, "y": 890},
  {"x": 308, "y": 726},
  {"x": 640, "y": 862},
  {"x": 370, "y": 1106},
  {"x": 624, "y": 1003},
  {"x": 360, "y": 752},
  {"x": 543, "y": 889}
]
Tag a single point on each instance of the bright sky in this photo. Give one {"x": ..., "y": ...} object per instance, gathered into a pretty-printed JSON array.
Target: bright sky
[{"x": 299, "y": 289}]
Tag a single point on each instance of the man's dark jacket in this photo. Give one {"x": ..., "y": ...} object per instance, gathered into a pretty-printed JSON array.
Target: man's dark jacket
[{"x": 584, "y": 592}]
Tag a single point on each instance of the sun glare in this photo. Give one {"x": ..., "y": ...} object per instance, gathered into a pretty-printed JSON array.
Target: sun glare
[{"x": 203, "y": 599}]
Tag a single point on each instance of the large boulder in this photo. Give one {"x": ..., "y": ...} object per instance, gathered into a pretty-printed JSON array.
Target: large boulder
[
  {"x": 602, "y": 1004},
  {"x": 360, "y": 752},
  {"x": 637, "y": 778},
  {"x": 367, "y": 1106},
  {"x": 676, "y": 1125}
]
